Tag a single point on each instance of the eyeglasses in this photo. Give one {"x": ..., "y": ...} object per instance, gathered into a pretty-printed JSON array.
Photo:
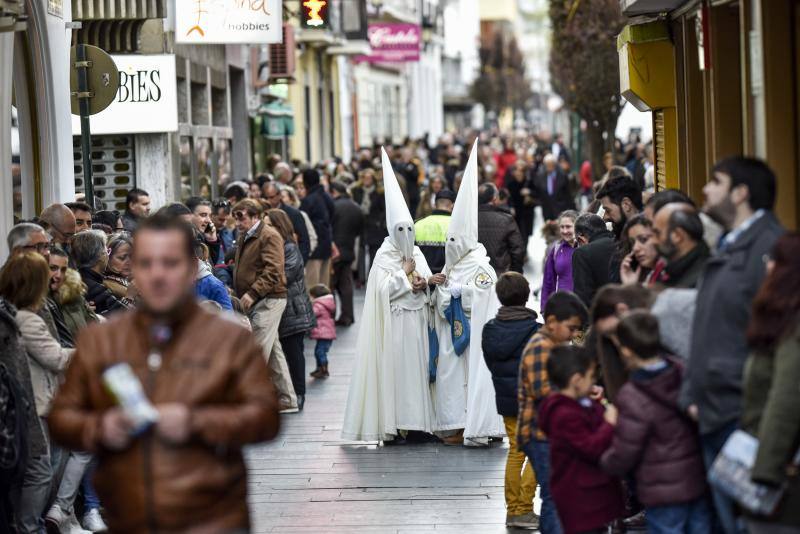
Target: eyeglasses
[
  {"x": 220, "y": 203},
  {"x": 38, "y": 247},
  {"x": 239, "y": 215}
]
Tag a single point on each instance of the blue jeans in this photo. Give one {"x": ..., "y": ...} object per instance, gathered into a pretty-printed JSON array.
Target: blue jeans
[
  {"x": 693, "y": 517},
  {"x": 538, "y": 452},
  {"x": 90, "y": 499},
  {"x": 711, "y": 444},
  {"x": 321, "y": 351}
]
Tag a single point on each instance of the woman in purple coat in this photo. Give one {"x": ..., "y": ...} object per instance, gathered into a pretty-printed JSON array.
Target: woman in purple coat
[{"x": 558, "y": 264}]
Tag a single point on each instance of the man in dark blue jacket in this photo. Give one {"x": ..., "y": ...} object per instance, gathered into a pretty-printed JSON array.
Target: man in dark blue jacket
[
  {"x": 504, "y": 339},
  {"x": 319, "y": 207}
]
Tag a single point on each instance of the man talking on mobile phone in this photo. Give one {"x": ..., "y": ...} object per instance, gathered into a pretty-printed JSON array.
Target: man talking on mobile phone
[
  {"x": 205, "y": 376},
  {"x": 206, "y": 231}
]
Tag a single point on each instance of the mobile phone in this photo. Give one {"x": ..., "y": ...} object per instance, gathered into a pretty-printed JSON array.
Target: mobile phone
[{"x": 634, "y": 263}]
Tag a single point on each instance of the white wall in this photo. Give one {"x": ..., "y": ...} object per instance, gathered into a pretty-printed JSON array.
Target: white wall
[
  {"x": 425, "y": 106},
  {"x": 462, "y": 27}
]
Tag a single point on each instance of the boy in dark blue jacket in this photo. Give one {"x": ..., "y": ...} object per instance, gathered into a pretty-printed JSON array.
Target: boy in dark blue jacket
[{"x": 503, "y": 341}]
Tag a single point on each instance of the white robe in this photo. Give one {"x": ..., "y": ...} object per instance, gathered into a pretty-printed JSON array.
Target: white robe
[
  {"x": 389, "y": 389},
  {"x": 463, "y": 392}
]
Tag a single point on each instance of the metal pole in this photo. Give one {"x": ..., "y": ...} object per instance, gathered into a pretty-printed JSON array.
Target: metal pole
[{"x": 86, "y": 134}]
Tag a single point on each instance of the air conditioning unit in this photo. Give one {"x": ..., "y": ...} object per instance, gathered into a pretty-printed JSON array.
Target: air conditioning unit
[{"x": 282, "y": 57}]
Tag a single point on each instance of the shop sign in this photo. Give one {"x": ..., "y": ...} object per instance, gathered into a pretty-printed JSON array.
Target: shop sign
[
  {"x": 228, "y": 21},
  {"x": 393, "y": 42},
  {"x": 314, "y": 14},
  {"x": 146, "y": 101}
]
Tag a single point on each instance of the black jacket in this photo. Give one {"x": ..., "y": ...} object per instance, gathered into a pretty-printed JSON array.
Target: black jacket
[
  {"x": 591, "y": 266},
  {"x": 374, "y": 221},
  {"x": 503, "y": 343},
  {"x": 348, "y": 222},
  {"x": 129, "y": 221},
  {"x": 299, "y": 226},
  {"x": 560, "y": 200},
  {"x": 719, "y": 349},
  {"x": 319, "y": 206},
  {"x": 499, "y": 233},
  {"x": 685, "y": 272},
  {"x": 298, "y": 315},
  {"x": 96, "y": 293}
]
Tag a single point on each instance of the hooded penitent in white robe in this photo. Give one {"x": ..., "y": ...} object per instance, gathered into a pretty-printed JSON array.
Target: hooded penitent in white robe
[
  {"x": 463, "y": 393},
  {"x": 389, "y": 390}
]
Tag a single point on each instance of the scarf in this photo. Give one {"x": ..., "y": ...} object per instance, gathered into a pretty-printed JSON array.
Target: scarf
[
  {"x": 515, "y": 313},
  {"x": 366, "y": 200}
]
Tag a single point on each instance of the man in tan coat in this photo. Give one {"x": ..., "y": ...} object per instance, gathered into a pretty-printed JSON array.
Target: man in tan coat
[{"x": 207, "y": 380}]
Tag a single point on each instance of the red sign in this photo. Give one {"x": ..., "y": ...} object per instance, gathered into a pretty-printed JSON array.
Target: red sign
[{"x": 393, "y": 42}]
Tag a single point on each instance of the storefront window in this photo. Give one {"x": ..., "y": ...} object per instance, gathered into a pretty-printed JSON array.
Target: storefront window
[
  {"x": 223, "y": 155},
  {"x": 203, "y": 153},
  {"x": 186, "y": 167}
]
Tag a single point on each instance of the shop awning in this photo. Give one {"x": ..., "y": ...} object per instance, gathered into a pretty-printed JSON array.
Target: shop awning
[{"x": 277, "y": 120}]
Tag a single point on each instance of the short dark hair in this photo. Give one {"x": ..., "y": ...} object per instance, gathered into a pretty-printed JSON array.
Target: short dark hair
[
  {"x": 753, "y": 173},
  {"x": 234, "y": 191},
  {"x": 635, "y": 296},
  {"x": 565, "y": 305},
  {"x": 512, "y": 289},
  {"x": 319, "y": 290},
  {"x": 87, "y": 248},
  {"x": 221, "y": 204},
  {"x": 589, "y": 225},
  {"x": 619, "y": 187},
  {"x": 564, "y": 362},
  {"x": 164, "y": 222},
  {"x": 486, "y": 193},
  {"x": 134, "y": 195},
  {"x": 249, "y": 206},
  {"x": 193, "y": 202},
  {"x": 689, "y": 221},
  {"x": 79, "y": 206},
  {"x": 638, "y": 331},
  {"x": 311, "y": 177},
  {"x": 106, "y": 217},
  {"x": 668, "y": 196},
  {"x": 340, "y": 188},
  {"x": 175, "y": 209}
]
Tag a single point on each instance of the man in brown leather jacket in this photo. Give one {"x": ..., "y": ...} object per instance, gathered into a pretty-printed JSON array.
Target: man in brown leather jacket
[{"x": 208, "y": 381}]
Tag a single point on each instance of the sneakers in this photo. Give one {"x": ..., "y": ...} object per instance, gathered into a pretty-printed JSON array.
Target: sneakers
[
  {"x": 320, "y": 372},
  {"x": 55, "y": 516},
  {"x": 93, "y": 521},
  {"x": 529, "y": 521}
]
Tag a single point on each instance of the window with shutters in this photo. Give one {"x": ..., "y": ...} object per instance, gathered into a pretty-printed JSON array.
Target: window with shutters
[{"x": 113, "y": 168}]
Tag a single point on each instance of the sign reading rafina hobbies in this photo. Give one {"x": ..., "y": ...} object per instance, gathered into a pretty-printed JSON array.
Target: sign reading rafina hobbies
[
  {"x": 146, "y": 101},
  {"x": 228, "y": 21},
  {"x": 393, "y": 42}
]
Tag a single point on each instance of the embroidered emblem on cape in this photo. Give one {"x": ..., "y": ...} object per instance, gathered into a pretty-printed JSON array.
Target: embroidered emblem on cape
[
  {"x": 483, "y": 280},
  {"x": 458, "y": 328}
]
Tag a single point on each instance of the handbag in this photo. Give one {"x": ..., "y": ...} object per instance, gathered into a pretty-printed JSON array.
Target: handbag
[
  {"x": 731, "y": 474},
  {"x": 433, "y": 354},
  {"x": 459, "y": 325}
]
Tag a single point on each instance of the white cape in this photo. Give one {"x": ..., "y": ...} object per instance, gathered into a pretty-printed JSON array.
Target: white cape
[{"x": 391, "y": 350}]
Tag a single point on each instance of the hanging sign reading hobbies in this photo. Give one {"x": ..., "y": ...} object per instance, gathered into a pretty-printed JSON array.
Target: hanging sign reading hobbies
[
  {"x": 228, "y": 21},
  {"x": 146, "y": 101},
  {"x": 392, "y": 43}
]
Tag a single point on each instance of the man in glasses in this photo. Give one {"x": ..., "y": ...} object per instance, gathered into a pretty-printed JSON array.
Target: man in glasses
[
  {"x": 272, "y": 192},
  {"x": 61, "y": 223}
]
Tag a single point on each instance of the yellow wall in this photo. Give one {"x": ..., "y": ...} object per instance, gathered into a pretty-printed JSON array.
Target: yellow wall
[{"x": 498, "y": 10}]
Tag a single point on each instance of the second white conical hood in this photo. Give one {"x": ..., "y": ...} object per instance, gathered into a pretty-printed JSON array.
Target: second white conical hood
[
  {"x": 462, "y": 236},
  {"x": 399, "y": 222}
]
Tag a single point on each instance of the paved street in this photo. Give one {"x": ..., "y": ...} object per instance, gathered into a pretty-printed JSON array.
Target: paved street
[{"x": 310, "y": 478}]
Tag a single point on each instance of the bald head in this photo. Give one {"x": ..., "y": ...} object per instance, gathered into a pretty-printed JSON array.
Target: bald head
[
  {"x": 61, "y": 221},
  {"x": 678, "y": 229}
]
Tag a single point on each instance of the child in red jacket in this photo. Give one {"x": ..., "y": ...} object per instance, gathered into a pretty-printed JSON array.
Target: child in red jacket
[
  {"x": 579, "y": 430},
  {"x": 325, "y": 332}
]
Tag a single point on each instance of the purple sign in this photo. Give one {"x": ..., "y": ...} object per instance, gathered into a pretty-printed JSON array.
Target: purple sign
[{"x": 392, "y": 42}]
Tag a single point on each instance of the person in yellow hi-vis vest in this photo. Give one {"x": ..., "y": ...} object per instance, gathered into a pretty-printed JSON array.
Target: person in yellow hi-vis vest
[{"x": 431, "y": 231}]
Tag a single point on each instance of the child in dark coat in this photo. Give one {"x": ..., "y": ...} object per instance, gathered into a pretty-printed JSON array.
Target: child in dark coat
[
  {"x": 579, "y": 430},
  {"x": 653, "y": 438}
]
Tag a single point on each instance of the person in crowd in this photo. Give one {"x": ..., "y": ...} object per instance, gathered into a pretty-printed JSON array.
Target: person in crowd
[
  {"x": 205, "y": 229},
  {"x": 771, "y": 375},
  {"x": 282, "y": 173},
  {"x": 653, "y": 439},
  {"x": 110, "y": 221},
  {"x": 505, "y": 162},
  {"x": 427, "y": 200},
  {"x": 117, "y": 276},
  {"x": 498, "y": 232},
  {"x": 259, "y": 281},
  {"x": 579, "y": 429},
  {"x": 90, "y": 256},
  {"x": 558, "y": 262},
  {"x": 60, "y": 224},
  {"x": 348, "y": 224},
  {"x": 272, "y": 193},
  {"x": 591, "y": 261},
  {"x": 410, "y": 174},
  {"x": 551, "y": 189},
  {"x": 254, "y": 190},
  {"x": 24, "y": 282},
  {"x": 503, "y": 341},
  {"x": 83, "y": 215},
  {"x": 369, "y": 194},
  {"x": 640, "y": 262},
  {"x": 324, "y": 333},
  {"x": 621, "y": 199},
  {"x": 389, "y": 390},
  {"x": 298, "y": 317},
  {"x": 564, "y": 318},
  {"x": 68, "y": 291},
  {"x": 520, "y": 190},
  {"x": 678, "y": 231},
  {"x": 234, "y": 193},
  {"x": 319, "y": 206},
  {"x": 178, "y": 210},
  {"x": 226, "y": 228},
  {"x": 290, "y": 198},
  {"x": 462, "y": 394},
  {"x": 137, "y": 207},
  {"x": 431, "y": 232},
  {"x": 189, "y": 485},
  {"x": 740, "y": 195},
  {"x": 712, "y": 230},
  {"x": 208, "y": 287}
]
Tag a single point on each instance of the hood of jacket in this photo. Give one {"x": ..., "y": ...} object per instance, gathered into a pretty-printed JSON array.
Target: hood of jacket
[
  {"x": 203, "y": 270},
  {"x": 328, "y": 302},
  {"x": 506, "y": 337},
  {"x": 663, "y": 387}
]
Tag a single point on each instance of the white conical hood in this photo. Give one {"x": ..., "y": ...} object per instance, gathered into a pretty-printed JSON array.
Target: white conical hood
[
  {"x": 462, "y": 236},
  {"x": 398, "y": 219}
]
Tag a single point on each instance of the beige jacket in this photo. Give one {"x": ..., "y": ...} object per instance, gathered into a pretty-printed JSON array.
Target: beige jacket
[{"x": 46, "y": 357}]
